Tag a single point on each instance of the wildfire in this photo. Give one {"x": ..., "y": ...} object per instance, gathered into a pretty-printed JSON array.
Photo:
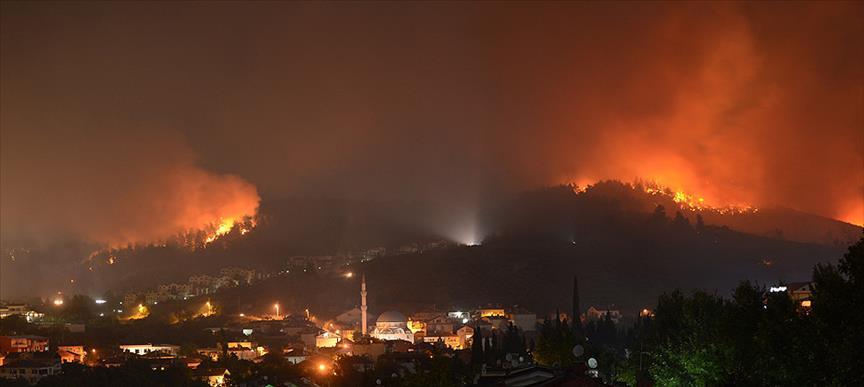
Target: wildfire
[
  {"x": 189, "y": 240},
  {"x": 226, "y": 225},
  {"x": 138, "y": 313},
  {"x": 696, "y": 202},
  {"x": 684, "y": 200}
]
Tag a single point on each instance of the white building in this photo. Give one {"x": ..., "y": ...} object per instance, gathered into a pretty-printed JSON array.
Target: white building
[
  {"x": 601, "y": 313},
  {"x": 392, "y": 325},
  {"x": 241, "y": 276},
  {"x": 143, "y": 349}
]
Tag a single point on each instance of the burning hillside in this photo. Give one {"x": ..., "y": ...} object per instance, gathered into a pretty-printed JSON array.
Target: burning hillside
[{"x": 775, "y": 222}]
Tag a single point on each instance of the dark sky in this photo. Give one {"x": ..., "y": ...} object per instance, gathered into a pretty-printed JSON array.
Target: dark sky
[{"x": 129, "y": 121}]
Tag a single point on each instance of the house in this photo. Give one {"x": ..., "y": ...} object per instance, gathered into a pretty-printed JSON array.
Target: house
[
  {"x": 10, "y": 309},
  {"x": 801, "y": 293},
  {"x": 143, "y": 349},
  {"x": 71, "y": 353},
  {"x": 239, "y": 275},
  {"x": 439, "y": 324},
  {"x": 451, "y": 341},
  {"x": 215, "y": 377},
  {"x": 190, "y": 362},
  {"x": 23, "y": 343},
  {"x": 465, "y": 334},
  {"x": 206, "y": 284},
  {"x": 174, "y": 291},
  {"x": 296, "y": 356},
  {"x": 594, "y": 313},
  {"x": 20, "y": 309},
  {"x": 459, "y": 315},
  {"x": 30, "y": 368},
  {"x": 489, "y": 312},
  {"x": 327, "y": 340},
  {"x": 244, "y": 350}
]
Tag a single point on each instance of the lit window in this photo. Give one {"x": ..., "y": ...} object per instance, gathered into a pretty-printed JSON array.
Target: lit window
[{"x": 806, "y": 303}]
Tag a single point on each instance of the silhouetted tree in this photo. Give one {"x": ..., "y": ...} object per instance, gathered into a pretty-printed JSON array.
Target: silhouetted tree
[{"x": 477, "y": 357}]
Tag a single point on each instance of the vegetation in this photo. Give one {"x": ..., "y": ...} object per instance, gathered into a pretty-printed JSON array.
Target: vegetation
[
  {"x": 754, "y": 337},
  {"x": 759, "y": 337}
]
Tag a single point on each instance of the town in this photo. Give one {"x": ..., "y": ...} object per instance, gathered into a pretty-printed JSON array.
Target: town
[{"x": 483, "y": 345}]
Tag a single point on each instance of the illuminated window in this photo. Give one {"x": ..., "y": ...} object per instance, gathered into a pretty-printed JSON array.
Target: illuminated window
[{"x": 805, "y": 303}]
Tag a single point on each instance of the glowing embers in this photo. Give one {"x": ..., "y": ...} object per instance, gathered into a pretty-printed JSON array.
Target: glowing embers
[{"x": 697, "y": 202}]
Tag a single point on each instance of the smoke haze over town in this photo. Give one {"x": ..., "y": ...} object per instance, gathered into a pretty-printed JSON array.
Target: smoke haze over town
[{"x": 197, "y": 112}]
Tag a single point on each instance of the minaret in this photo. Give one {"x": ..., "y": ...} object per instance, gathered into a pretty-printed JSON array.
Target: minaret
[
  {"x": 363, "y": 305},
  {"x": 577, "y": 311}
]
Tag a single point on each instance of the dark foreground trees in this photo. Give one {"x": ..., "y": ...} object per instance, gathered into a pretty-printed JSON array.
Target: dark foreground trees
[{"x": 759, "y": 337}]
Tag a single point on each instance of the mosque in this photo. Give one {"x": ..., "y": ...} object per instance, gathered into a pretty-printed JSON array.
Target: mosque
[{"x": 391, "y": 325}]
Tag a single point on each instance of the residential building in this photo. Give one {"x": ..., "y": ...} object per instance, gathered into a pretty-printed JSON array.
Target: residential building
[
  {"x": 240, "y": 276},
  {"x": 215, "y": 377},
  {"x": 71, "y": 353},
  {"x": 20, "y": 309},
  {"x": 439, "y": 324},
  {"x": 327, "y": 340},
  {"x": 595, "y": 313},
  {"x": 490, "y": 312},
  {"x": 451, "y": 341},
  {"x": 30, "y": 369},
  {"x": 143, "y": 349},
  {"x": 24, "y": 343},
  {"x": 465, "y": 334}
]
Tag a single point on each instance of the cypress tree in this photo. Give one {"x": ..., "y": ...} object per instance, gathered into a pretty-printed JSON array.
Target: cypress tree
[{"x": 477, "y": 348}]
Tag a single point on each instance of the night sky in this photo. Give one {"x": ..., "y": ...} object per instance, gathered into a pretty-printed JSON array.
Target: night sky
[{"x": 126, "y": 122}]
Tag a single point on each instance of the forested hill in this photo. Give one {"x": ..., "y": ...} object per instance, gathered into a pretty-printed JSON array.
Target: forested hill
[{"x": 625, "y": 260}]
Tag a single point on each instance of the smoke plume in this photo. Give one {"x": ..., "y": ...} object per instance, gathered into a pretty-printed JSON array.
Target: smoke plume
[{"x": 115, "y": 115}]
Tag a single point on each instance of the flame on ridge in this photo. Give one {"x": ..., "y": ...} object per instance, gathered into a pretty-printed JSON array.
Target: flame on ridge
[{"x": 685, "y": 200}]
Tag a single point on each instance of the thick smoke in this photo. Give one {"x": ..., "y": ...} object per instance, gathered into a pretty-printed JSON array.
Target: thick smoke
[
  {"x": 452, "y": 103},
  {"x": 113, "y": 190}
]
